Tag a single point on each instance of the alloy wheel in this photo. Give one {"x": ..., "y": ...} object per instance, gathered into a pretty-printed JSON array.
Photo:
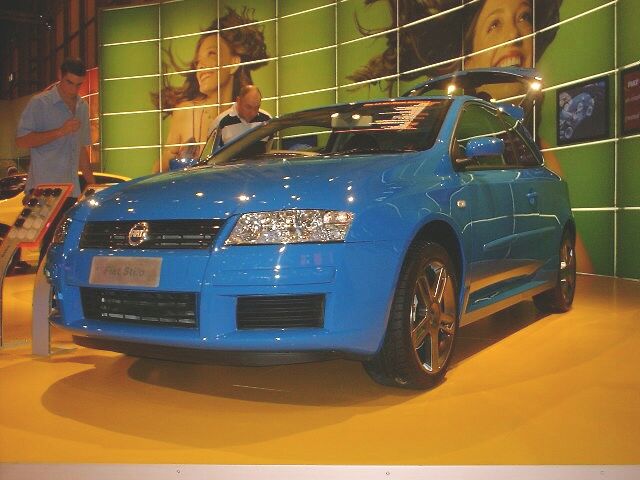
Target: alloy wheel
[{"x": 432, "y": 316}]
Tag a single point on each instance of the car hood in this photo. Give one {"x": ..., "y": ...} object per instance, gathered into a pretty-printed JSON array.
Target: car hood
[{"x": 270, "y": 184}]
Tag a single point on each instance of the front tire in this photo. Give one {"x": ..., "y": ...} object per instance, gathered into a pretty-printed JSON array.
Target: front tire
[
  {"x": 560, "y": 298},
  {"x": 423, "y": 322}
]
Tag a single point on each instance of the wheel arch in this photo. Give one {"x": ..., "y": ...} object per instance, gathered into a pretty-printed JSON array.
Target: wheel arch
[
  {"x": 438, "y": 230},
  {"x": 390, "y": 366},
  {"x": 442, "y": 232}
]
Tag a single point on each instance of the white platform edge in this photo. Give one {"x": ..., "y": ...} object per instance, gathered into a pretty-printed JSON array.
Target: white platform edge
[{"x": 20, "y": 471}]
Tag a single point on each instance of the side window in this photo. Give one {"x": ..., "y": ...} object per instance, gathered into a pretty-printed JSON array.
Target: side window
[
  {"x": 510, "y": 139},
  {"x": 518, "y": 152},
  {"x": 475, "y": 122}
]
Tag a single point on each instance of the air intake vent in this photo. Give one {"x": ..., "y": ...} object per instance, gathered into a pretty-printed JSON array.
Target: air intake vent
[
  {"x": 282, "y": 311},
  {"x": 153, "y": 308},
  {"x": 178, "y": 234}
]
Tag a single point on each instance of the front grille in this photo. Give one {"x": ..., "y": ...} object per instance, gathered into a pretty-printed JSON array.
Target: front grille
[
  {"x": 282, "y": 311},
  {"x": 152, "y": 308},
  {"x": 191, "y": 234}
]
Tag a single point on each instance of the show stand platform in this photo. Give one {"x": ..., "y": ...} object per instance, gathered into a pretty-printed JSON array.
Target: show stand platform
[{"x": 528, "y": 396}]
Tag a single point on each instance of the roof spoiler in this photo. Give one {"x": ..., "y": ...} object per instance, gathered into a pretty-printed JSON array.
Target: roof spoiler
[{"x": 469, "y": 82}]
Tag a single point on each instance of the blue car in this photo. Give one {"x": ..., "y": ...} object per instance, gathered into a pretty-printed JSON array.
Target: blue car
[{"x": 369, "y": 231}]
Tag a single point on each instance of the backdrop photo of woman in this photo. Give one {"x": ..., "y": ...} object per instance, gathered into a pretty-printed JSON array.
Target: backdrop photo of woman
[
  {"x": 459, "y": 36},
  {"x": 213, "y": 78}
]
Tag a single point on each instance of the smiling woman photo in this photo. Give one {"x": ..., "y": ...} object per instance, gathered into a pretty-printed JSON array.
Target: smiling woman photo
[
  {"x": 214, "y": 76},
  {"x": 436, "y": 43},
  {"x": 507, "y": 25}
]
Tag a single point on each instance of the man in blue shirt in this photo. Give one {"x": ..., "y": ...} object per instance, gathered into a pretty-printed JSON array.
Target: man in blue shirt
[{"x": 55, "y": 127}]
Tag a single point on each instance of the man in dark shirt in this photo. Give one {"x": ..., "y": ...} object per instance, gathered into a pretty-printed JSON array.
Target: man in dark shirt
[{"x": 243, "y": 115}]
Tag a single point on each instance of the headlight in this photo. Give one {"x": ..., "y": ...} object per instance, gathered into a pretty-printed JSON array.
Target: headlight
[
  {"x": 290, "y": 226},
  {"x": 61, "y": 232}
]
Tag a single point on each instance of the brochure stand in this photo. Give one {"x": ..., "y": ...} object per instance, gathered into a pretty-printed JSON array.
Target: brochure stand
[
  {"x": 41, "y": 206},
  {"x": 42, "y": 294}
]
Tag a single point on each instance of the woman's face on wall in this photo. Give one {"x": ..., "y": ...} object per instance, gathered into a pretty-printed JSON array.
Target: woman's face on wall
[
  {"x": 500, "y": 21},
  {"x": 207, "y": 59}
]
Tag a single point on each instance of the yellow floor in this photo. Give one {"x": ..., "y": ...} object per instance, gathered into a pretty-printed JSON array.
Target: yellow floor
[{"x": 524, "y": 389}]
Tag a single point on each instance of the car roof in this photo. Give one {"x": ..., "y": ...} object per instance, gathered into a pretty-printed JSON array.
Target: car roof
[
  {"x": 470, "y": 80},
  {"x": 466, "y": 82}
]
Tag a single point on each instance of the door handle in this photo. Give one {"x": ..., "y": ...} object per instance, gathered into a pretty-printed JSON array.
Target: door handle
[{"x": 532, "y": 196}]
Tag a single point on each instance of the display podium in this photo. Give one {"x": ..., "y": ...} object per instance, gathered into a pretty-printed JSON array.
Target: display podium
[{"x": 41, "y": 206}]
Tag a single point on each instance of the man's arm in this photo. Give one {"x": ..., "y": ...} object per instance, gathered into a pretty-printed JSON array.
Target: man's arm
[
  {"x": 36, "y": 139},
  {"x": 85, "y": 165},
  {"x": 84, "y": 137}
]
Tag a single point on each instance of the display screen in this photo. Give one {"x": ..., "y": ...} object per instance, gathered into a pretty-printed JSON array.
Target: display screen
[{"x": 583, "y": 112}]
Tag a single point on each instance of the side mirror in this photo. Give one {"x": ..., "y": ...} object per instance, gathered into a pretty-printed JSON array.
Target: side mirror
[
  {"x": 182, "y": 163},
  {"x": 484, "y": 147}
]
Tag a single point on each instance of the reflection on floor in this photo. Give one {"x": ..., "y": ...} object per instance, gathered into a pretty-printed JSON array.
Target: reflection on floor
[{"x": 524, "y": 389}]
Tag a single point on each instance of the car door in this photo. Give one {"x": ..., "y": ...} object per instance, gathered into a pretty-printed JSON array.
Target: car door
[
  {"x": 487, "y": 194},
  {"x": 537, "y": 228}
]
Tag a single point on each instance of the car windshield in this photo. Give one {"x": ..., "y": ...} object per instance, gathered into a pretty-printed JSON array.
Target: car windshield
[{"x": 394, "y": 126}]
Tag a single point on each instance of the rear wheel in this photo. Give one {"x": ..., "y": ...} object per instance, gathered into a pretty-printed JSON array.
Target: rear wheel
[
  {"x": 560, "y": 298},
  {"x": 423, "y": 322}
]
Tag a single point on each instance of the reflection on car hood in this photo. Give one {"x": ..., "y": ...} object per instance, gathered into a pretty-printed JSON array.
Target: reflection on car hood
[{"x": 269, "y": 184}]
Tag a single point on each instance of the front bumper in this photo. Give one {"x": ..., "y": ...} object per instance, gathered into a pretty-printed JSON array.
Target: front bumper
[{"x": 357, "y": 281}]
